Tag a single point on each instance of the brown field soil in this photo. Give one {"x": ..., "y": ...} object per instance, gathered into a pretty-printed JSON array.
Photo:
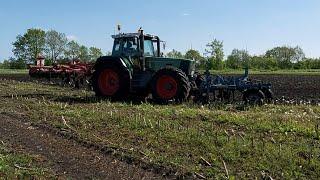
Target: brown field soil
[
  {"x": 290, "y": 86},
  {"x": 65, "y": 157},
  {"x": 33, "y": 112},
  {"x": 293, "y": 86}
]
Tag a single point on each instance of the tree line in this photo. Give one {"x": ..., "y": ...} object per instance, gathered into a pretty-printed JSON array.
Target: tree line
[
  {"x": 284, "y": 57},
  {"x": 56, "y": 47},
  {"x": 53, "y": 45}
]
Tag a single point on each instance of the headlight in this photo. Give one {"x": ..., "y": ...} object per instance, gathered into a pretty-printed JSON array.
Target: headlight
[{"x": 192, "y": 73}]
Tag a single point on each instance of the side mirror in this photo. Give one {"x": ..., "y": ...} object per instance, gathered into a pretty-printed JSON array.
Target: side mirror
[{"x": 164, "y": 45}]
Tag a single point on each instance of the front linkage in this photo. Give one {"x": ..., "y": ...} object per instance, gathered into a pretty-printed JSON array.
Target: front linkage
[{"x": 218, "y": 88}]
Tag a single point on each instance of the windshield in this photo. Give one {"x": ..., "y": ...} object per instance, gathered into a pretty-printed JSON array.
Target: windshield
[
  {"x": 148, "y": 48},
  {"x": 130, "y": 47},
  {"x": 125, "y": 47}
]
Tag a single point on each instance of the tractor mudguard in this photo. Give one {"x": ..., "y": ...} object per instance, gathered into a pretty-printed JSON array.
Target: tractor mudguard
[{"x": 120, "y": 62}]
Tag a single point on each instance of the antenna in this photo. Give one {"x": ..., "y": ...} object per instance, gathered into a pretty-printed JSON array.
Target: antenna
[{"x": 119, "y": 28}]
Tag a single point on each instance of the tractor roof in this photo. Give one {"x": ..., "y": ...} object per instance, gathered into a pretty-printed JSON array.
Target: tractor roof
[{"x": 128, "y": 35}]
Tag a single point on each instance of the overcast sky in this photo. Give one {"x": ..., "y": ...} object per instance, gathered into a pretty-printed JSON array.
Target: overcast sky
[{"x": 245, "y": 24}]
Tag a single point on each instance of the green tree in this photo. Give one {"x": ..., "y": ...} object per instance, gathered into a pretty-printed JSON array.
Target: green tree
[
  {"x": 174, "y": 54},
  {"x": 30, "y": 45},
  {"x": 84, "y": 53},
  {"x": 20, "y": 48},
  {"x": 55, "y": 44},
  {"x": 17, "y": 63},
  {"x": 286, "y": 56},
  {"x": 314, "y": 64},
  {"x": 308, "y": 63},
  {"x": 5, "y": 64},
  {"x": 263, "y": 63},
  {"x": 195, "y": 55},
  {"x": 238, "y": 59},
  {"x": 95, "y": 53},
  {"x": 299, "y": 54},
  {"x": 13, "y": 63},
  {"x": 216, "y": 55},
  {"x": 72, "y": 50}
]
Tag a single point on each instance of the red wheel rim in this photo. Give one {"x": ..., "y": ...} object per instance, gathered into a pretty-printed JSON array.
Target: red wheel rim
[
  {"x": 167, "y": 87},
  {"x": 109, "y": 82}
]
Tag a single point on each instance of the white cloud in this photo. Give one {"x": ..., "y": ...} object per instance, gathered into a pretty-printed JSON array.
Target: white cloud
[
  {"x": 72, "y": 38},
  {"x": 185, "y": 14}
]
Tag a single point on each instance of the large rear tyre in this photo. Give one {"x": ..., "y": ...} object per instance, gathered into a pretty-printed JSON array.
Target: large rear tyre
[
  {"x": 110, "y": 81},
  {"x": 170, "y": 85}
]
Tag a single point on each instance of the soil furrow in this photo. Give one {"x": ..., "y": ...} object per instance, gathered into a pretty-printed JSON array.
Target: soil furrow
[{"x": 65, "y": 157}]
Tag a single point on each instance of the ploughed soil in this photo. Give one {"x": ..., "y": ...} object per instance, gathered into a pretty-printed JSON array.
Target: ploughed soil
[
  {"x": 68, "y": 158},
  {"x": 305, "y": 87},
  {"x": 65, "y": 157},
  {"x": 289, "y": 86}
]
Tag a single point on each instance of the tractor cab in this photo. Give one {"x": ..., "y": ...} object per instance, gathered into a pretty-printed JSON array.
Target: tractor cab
[{"x": 136, "y": 45}]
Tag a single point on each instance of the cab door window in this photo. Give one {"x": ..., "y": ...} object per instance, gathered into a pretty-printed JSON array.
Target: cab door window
[
  {"x": 116, "y": 47},
  {"x": 148, "y": 48}
]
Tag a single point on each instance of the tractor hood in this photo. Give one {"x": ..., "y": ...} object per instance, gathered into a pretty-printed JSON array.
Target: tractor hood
[{"x": 157, "y": 63}]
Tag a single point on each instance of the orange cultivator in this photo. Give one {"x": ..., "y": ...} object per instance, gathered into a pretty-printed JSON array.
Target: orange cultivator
[{"x": 74, "y": 73}]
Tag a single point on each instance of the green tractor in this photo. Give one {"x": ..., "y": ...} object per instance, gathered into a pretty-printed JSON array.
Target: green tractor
[{"x": 137, "y": 67}]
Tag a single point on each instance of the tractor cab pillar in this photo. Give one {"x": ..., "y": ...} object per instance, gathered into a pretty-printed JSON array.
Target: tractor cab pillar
[{"x": 142, "y": 57}]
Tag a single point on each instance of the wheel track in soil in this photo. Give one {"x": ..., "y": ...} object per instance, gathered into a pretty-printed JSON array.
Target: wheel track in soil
[{"x": 66, "y": 157}]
